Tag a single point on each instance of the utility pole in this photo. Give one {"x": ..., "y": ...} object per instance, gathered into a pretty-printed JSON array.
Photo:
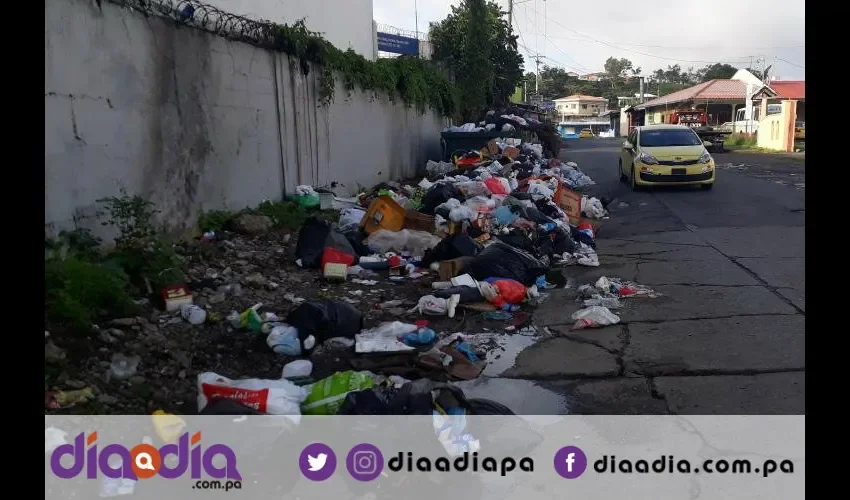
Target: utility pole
[
  {"x": 537, "y": 77},
  {"x": 510, "y": 13},
  {"x": 416, "y": 14}
]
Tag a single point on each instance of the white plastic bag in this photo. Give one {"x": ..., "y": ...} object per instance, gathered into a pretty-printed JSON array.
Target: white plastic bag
[
  {"x": 417, "y": 242},
  {"x": 593, "y": 207},
  {"x": 480, "y": 204},
  {"x": 298, "y": 368},
  {"x": 273, "y": 397},
  {"x": 304, "y": 190},
  {"x": 350, "y": 218},
  {"x": 283, "y": 339},
  {"x": 391, "y": 329},
  {"x": 594, "y": 317},
  {"x": 450, "y": 204},
  {"x": 461, "y": 214},
  {"x": 432, "y": 306},
  {"x": 473, "y": 188}
]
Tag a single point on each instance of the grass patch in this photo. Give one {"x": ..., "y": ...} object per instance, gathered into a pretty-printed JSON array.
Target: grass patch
[
  {"x": 740, "y": 141},
  {"x": 290, "y": 215},
  {"x": 215, "y": 220},
  {"x": 80, "y": 293}
]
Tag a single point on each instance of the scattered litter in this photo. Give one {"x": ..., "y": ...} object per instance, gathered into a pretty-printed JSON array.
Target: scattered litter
[
  {"x": 298, "y": 368},
  {"x": 594, "y": 317},
  {"x": 365, "y": 282}
]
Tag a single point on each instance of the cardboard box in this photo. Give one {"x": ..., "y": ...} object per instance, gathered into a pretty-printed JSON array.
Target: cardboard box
[
  {"x": 455, "y": 267},
  {"x": 493, "y": 147},
  {"x": 511, "y": 152}
]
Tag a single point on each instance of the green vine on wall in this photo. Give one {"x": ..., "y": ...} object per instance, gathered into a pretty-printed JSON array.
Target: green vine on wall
[{"x": 415, "y": 81}]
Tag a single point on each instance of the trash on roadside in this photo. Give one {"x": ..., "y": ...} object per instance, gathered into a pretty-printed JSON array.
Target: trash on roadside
[
  {"x": 54, "y": 400},
  {"x": 319, "y": 320},
  {"x": 193, "y": 314},
  {"x": 298, "y": 368},
  {"x": 327, "y": 395},
  {"x": 283, "y": 339},
  {"x": 123, "y": 367},
  {"x": 272, "y": 397},
  {"x": 594, "y": 317},
  {"x": 176, "y": 296}
]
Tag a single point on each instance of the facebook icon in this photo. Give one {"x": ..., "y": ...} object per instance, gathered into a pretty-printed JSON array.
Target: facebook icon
[{"x": 570, "y": 462}]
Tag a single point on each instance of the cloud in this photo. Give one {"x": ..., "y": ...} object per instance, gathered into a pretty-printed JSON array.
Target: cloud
[{"x": 652, "y": 34}]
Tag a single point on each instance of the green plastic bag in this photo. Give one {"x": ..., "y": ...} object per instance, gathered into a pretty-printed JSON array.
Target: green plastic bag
[
  {"x": 328, "y": 394},
  {"x": 309, "y": 201}
]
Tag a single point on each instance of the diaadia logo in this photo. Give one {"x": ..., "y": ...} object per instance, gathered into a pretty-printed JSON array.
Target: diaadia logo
[{"x": 143, "y": 461}]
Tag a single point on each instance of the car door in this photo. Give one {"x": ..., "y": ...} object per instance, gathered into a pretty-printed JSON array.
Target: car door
[{"x": 628, "y": 155}]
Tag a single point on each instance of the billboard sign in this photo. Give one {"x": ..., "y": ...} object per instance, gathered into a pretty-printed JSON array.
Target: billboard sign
[
  {"x": 548, "y": 105},
  {"x": 398, "y": 44}
]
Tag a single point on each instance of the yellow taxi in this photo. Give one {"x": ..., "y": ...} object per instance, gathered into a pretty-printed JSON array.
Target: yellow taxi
[
  {"x": 800, "y": 130},
  {"x": 585, "y": 133},
  {"x": 665, "y": 155}
]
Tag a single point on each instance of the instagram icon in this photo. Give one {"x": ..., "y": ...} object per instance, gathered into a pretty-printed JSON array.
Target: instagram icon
[{"x": 364, "y": 462}]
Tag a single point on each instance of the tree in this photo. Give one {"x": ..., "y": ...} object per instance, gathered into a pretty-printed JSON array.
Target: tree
[
  {"x": 617, "y": 69},
  {"x": 478, "y": 46},
  {"x": 717, "y": 71}
]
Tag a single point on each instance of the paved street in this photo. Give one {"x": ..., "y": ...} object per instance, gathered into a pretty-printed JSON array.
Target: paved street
[{"x": 728, "y": 337}]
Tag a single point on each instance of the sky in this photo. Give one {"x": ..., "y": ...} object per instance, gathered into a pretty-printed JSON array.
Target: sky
[{"x": 580, "y": 36}]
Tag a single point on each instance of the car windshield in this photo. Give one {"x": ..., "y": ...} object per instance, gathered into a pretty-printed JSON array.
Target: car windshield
[{"x": 669, "y": 137}]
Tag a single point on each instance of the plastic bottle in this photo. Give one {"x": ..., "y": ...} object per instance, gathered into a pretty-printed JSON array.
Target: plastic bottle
[{"x": 421, "y": 338}]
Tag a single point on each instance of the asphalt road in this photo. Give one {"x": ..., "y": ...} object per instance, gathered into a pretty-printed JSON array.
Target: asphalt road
[{"x": 727, "y": 337}]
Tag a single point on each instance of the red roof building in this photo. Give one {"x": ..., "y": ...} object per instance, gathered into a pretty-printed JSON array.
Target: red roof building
[{"x": 790, "y": 89}]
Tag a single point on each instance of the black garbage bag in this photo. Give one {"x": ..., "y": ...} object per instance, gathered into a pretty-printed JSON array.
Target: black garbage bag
[
  {"x": 438, "y": 195},
  {"x": 563, "y": 241},
  {"x": 452, "y": 247},
  {"x": 501, "y": 260},
  {"x": 324, "y": 319},
  {"x": 548, "y": 208},
  {"x": 518, "y": 239},
  {"x": 355, "y": 238},
  {"x": 534, "y": 215},
  {"x": 582, "y": 237},
  {"x": 316, "y": 235},
  {"x": 387, "y": 401}
]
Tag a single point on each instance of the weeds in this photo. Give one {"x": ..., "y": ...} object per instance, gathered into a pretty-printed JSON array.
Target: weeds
[
  {"x": 741, "y": 140},
  {"x": 290, "y": 215},
  {"x": 79, "y": 293},
  {"x": 215, "y": 220},
  {"x": 139, "y": 251}
]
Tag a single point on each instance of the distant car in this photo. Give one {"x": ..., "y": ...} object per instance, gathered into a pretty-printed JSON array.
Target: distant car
[
  {"x": 585, "y": 133},
  {"x": 800, "y": 130},
  {"x": 657, "y": 155}
]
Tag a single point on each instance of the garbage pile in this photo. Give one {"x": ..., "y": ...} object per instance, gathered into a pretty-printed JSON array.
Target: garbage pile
[{"x": 478, "y": 237}]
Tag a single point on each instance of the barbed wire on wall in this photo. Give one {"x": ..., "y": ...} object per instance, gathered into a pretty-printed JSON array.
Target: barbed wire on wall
[{"x": 208, "y": 18}]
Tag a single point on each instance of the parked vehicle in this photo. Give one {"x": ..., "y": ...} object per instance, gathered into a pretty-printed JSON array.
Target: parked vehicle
[
  {"x": 800, "y": 130},
  {"x": 656, "y": 155},
  {"x": 585, "y": 133},
  {"x": 691, "y": 118}
]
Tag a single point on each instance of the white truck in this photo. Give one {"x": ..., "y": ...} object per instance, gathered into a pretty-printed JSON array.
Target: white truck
[{"x": 742, "y": 125}]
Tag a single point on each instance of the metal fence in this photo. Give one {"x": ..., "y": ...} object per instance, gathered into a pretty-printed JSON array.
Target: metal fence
[{"x": 386, "y": 28}]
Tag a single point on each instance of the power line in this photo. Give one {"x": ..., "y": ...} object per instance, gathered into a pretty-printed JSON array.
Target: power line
[
  {"x": 567, "y": 55},
  {"x": 789, "y": 62},
  {"x": 629, "y": 44},
  {"x": 630, "y": 50}
]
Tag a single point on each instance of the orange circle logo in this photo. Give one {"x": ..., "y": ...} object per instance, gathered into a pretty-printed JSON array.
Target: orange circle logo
[{"x": 145, "y": 460}]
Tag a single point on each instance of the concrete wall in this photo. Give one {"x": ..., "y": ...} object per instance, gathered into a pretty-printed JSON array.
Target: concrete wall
[
  {"x": 776, "y": 131},
  {"x": 344, "y": 23},
  {"x": 196, "y": 122}
]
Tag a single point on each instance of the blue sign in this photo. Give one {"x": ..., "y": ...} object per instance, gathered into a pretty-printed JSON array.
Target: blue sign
[
  {"x": 548, "y": 105},
  {"x": 398, "y": 44}
]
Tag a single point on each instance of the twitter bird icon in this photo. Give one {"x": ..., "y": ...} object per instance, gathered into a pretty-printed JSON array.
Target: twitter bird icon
[{"x": 317, "y": 462}]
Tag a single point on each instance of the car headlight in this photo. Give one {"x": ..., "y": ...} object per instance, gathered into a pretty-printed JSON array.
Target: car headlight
[
  {"x": 647, "y": 158},
  {"x": 705, "y": 158}
]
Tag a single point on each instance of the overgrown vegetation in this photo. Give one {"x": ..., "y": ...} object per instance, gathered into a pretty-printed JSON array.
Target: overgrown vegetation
[
  {"x": 476, "y": 43},
  {"x": 415, "y": 81},
  {"x": 740, "y": 141},
  {"x": 85, "y": 284}
]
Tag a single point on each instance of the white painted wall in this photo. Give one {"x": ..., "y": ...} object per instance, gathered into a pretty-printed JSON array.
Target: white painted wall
[
  {"x": 344, "y": 23},
  {"x": 195, "y": 122}
]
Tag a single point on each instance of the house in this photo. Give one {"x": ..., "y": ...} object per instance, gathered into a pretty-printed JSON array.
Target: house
[
  {"x": 622, "y": 102},
  {"x": 572, "y": 74},
  {"x": 580, "y": 105},
  {"x": 793, "y": 90},
  {"x": 593, "y": 77}
]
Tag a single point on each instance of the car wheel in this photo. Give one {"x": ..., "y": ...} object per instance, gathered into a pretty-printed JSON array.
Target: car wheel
[
  {"x": 706, "y": 187},
  {"x": 623, "y": 177},
  {"x": 635, "y": 185}
]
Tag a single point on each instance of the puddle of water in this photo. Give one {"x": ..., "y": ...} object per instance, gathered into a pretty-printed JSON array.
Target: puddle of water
[
  {"x": 504, "y": 356},
  {"x": 524, "y": 397}
]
